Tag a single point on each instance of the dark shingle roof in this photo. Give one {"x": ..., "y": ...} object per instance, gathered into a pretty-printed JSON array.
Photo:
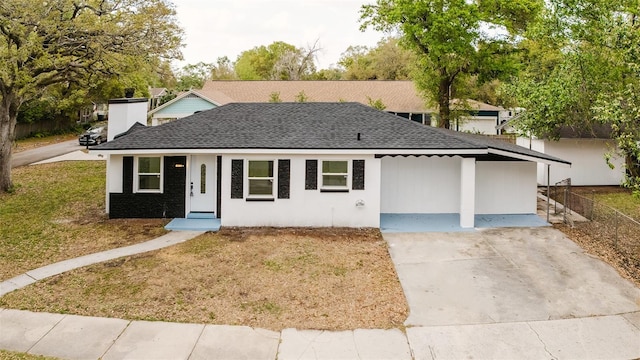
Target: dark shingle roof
[
  {"x": 135, "y": 127},
  {"x": 302, "y": 126}
]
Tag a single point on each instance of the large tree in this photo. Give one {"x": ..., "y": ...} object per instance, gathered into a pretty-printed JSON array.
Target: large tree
[
  {"x": 453, "y": 39},
  {"x": 386, "y": 61},
  {"x": 277, "y": 61},
  {"x": 582, "y": 71},
  {"x": 193, "y": 76},
  {"x": 44, "y": 43}
]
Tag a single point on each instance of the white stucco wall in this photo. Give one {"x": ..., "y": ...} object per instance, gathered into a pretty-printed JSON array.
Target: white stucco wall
[
  {"x": 426, "y": 185},
  {"x": 122, "y": 116},
  {"x": 114, "y": 177},
  {"x": 588, "y": 165},
  {"x": 505, "y": 187},
  {"x": 479, "y": 124},
  {"x": 304, "y": 207},
  {"x": 433, "y": 185},
  {"x": 114, "y": 174}
]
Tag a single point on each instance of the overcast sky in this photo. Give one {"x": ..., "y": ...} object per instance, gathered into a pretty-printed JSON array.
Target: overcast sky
[{"x": 218, "y": 28}]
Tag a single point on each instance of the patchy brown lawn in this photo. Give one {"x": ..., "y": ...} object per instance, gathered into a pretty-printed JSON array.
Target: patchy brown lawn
[
  {"x": 57, "y": 212},
  {"x": 262, "y": 277}
]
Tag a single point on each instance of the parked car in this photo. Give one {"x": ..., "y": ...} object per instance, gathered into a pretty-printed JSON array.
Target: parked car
[{"x": 93, "y": 136}]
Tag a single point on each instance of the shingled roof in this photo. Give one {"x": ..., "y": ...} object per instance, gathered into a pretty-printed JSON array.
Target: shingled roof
[
  {"x": 319, "y": 126},
  {"x": 397, "y": 95}
]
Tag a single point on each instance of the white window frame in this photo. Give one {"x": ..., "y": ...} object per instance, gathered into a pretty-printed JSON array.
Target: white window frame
[
  {"x": 272, "y": 178},
  {"x": 346, "y": 175},
  {"x": 136, "y": 175}
]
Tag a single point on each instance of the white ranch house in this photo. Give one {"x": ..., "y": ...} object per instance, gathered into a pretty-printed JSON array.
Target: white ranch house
[{"x": 311, "y": 164}]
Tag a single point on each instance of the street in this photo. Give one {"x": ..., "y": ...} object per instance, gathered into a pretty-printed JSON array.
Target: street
[{"x": 43, "y": 153}]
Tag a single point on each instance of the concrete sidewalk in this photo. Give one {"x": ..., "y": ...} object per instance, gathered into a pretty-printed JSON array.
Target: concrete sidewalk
[{"x": 80, "y": 337}]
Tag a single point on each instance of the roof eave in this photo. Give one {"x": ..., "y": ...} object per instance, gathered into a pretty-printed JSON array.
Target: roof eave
[
  {"x": 515, "y": 155},
  {"x": 180, "y": 97},
  {"x": 345, "y": 151}
]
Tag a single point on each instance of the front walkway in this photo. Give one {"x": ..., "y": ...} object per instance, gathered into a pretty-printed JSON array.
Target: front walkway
[{"x": 32, "y": 276}]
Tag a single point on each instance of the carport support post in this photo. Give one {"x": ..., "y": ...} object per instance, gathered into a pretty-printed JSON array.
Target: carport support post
[
  {"x": 467, "y": 192},
  {"x": 549, "y": 190}
]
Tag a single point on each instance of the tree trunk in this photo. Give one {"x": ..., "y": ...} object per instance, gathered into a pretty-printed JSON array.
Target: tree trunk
[
  {"x": 633, "y": 166},
  {"x": 444, "y": 102},
  {"x": 9, "y": 105}
]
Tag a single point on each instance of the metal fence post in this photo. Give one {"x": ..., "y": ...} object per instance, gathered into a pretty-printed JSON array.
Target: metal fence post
[
  {"x": 615, "y": 243},
  {"x": 565, "y": 206},
  {"x": 548, "y": 190}
]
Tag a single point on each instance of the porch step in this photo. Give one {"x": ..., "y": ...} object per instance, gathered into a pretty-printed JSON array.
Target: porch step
[
  {"x": 193, "y": 224},
  {"x": 201, "y": 215}
]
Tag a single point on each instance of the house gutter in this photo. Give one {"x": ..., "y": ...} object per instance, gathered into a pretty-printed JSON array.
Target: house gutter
[
  {"x": 560, "y": 162},
  {"x": 443, "y": 152}
]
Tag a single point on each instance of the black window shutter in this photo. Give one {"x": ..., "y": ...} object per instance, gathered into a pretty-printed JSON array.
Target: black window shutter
[
  {"x": 357, "y": 180},
  {"x": 218, "y": 186},
  {"x": 127, "y": 174},
  {"x": 284, "y": 167},
  {"x": 237, "y": 179},
  {"x": 311, "y": 175}
]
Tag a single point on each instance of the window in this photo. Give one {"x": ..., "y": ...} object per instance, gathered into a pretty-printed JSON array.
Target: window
[
  {"x": 261, "y": 178},
  {"x": 335, "y": 174},
  {"x": 203, "y": 179},
  {"x": 149, "y": 175}
]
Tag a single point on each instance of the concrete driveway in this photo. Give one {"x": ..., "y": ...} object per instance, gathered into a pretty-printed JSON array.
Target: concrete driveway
[
  {"x": 504, "y": 275},
  {"x": 513, "y": 293}
]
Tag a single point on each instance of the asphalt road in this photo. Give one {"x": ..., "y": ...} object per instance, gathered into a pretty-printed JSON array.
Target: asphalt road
[{"x": 43, "y": 153}]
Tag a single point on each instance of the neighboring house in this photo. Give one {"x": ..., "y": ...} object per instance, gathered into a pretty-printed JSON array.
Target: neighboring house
[
  {"x": 313, "y": 164},
  {"x": 585, "y": 149},
  {"x": 399, "y": 97},
  {"x": 155, "y": 96},
  {"x": 185, "y": 104},
  {"x": 483, "y": 118}
]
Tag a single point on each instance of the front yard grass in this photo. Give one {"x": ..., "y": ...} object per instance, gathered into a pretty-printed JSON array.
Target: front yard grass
[
  {"x": 328, "y": 278},
  {"x": 10, "y": 355},
  {"x": 270, "y": 278},
  {"x": 57, "y": 212},
  {"x": 614, "y": 196}
]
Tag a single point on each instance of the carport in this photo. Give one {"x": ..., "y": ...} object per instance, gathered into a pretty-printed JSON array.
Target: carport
[{"x": 453, "y": 192}]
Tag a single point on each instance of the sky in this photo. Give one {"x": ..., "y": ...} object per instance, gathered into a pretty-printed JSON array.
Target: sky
[{"x": 216, "y": 28}]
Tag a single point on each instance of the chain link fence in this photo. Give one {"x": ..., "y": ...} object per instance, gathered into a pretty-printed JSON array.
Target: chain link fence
[{"x": 607, "y": 225}]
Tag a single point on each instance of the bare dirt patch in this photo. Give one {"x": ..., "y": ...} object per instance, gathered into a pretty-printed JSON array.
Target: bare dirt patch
[
  {"x": 627, "y": 264},
  {"x": 270, "y": 278},
  {"x": 607, "y": 234}
]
